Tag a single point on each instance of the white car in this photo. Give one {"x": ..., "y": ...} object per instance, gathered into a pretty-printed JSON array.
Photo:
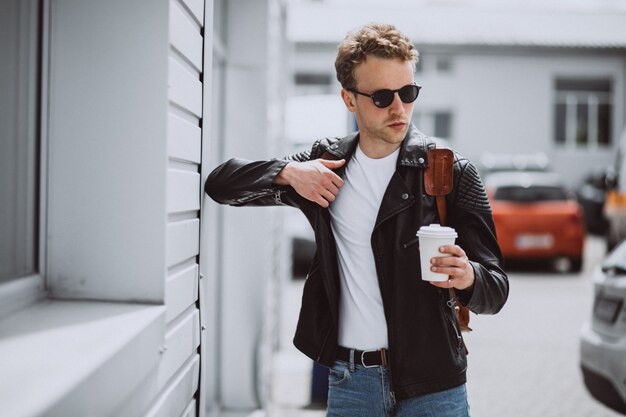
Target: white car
[{"x": 603, "y": 339}]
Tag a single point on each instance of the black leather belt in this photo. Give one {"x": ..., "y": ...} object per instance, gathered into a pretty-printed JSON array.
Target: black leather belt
[{"x": 367, "y": 358}]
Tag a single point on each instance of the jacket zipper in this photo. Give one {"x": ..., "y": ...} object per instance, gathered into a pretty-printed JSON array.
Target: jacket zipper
[
  {"x": 450, "y": 322},
  {"x": 410, "y": 242},
  {"x": 277, "y": 195},
  {"x": 323, "y": 346},
  {"x": 381, "y": 275}
]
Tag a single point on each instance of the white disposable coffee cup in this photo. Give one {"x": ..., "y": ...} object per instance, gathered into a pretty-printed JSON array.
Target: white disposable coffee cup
[{"x": 431, "y": 238}]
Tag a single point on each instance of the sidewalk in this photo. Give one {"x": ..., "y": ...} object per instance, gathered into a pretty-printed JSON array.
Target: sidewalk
[{"x": 292, "y": 371}]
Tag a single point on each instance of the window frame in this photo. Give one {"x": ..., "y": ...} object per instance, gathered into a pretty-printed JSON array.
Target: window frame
[
  {"x": 25, "y": 291},
  {"x": 426, "y": 120},
  {"x": 593, "y": 100}
]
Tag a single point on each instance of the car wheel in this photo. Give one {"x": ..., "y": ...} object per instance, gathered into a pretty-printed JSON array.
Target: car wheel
[{"x": 575, "y": 264}]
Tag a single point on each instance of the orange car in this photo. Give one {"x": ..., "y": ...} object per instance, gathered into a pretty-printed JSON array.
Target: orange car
[{"x": 535, "y": 218}]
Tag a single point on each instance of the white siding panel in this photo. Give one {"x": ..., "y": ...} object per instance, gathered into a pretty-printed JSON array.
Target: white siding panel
[
  {"x": 183, "y": 191},
  {"x": 181, "y": 342},
  {"x": 184, "y": 36},
  {"x": 183, "y": 139},
  {"x": 179, "y": 371},
  {"x": 177, "y": 395},
  {"x": 181, "y": 290},
  {"x": 196, "y": 7},
  {"x": 182, "y": 240},
  {"x": 185, "y": 88}
]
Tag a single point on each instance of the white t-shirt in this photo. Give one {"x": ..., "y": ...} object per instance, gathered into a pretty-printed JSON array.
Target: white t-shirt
[{"x": 362, "y": 322}]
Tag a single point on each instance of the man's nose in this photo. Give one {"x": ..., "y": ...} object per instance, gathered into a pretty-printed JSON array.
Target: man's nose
[{"x": 396, "y": 106}]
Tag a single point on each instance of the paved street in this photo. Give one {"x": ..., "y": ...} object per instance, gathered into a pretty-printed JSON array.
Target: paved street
[{"x": 524, "y": 361}]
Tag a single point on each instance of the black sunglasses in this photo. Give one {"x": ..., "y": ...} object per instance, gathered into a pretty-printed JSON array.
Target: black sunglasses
[{"x": 383, "y": 98}]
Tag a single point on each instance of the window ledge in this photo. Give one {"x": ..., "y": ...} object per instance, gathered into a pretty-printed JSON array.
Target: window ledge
[{"x": 76, "y": 358}]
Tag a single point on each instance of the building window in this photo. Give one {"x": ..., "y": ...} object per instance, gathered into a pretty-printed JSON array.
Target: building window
[
  {"x": 442, "y": 124},
  {"x": 583, "y": 112},
  {"x": 437, "y": 123},
  {"x": 19, "y": 140},
  {"x": 308, "y": 83},
  {"x": 444, "y": 64},
  {"x": 312, "y": 79}
]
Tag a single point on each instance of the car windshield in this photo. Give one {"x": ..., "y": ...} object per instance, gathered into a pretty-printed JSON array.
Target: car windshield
[{"x": 530, "y": 194}]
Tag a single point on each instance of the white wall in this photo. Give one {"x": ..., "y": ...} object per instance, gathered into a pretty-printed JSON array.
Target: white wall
[
  {"x": 505, "y": 104},
  {"x": 107, "y": 149},
  {"x": 246, "y": 244}
]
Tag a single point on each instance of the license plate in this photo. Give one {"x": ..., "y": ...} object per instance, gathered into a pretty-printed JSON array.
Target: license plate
[
  {"x": 543, "y": 241},
  {"x": 607, "y": 309}
]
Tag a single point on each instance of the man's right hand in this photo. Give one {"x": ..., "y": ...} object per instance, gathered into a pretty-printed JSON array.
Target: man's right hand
[{"x": 313, "y": 180}]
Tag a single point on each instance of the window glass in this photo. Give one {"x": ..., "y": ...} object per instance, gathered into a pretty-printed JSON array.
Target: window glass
[
  {"x": 437, "y": 123},
  {"x": 582, "y": 122},
  {"x": 560, "y": 123},
  {"x": 585, "y": 85},
  {"x": 604, "y": 124},
  {"x": 582, "y": 112},
  {"x": 443, "y": 124},
  {"x": 444, "y": 65},
  {"x": 19, "y": 46},
  {"x": 312, "y": 79}
]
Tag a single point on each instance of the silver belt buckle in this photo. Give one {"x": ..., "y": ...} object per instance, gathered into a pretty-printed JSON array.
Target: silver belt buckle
[
  {"x": 383, "y": 356},
  {"x": 363, "y": 359}
]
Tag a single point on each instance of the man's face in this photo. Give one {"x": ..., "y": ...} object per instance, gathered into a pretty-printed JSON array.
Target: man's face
[{"x": 381, "y": 126}]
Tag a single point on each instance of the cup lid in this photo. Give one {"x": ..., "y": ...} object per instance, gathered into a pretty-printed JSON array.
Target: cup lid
[{"x": 436, "y": 230}]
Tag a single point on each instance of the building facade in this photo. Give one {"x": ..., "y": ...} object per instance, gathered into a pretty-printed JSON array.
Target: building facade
[
  {"x": 499, "y": 79},
  {"x": 123, "y": 291}
]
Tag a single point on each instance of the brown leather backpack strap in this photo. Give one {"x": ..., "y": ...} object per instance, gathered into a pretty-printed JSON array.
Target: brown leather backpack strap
[
  {"x": 438, "y": 182},
  {"x": 439, "y": 172},
  {"x": 438, "y": 178}
]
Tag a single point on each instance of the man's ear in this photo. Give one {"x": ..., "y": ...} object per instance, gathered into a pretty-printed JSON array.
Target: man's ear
[{"x": 348, "y": 99}]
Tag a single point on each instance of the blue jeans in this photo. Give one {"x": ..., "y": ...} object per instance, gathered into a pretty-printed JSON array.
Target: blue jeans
[{"x": 357, "y": 391}]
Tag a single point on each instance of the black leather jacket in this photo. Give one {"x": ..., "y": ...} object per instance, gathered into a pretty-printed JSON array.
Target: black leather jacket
[{"x": 426, "y": 350}]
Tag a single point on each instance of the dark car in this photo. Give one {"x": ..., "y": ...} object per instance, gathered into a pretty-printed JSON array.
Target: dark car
[{"x": 591, "y": 195}]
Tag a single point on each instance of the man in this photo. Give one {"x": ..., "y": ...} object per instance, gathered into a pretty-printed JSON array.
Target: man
[{"x": 391, "y": 340}]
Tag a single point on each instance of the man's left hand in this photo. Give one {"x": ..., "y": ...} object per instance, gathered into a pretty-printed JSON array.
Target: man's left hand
[{"x": 457, "y": 266}]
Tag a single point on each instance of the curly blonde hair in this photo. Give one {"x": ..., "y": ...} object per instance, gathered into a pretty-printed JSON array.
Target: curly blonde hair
[{"x": 381, "y": 40}]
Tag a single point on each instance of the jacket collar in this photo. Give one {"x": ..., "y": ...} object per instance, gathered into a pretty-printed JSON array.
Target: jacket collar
[{"x": 413, "y": 150}]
